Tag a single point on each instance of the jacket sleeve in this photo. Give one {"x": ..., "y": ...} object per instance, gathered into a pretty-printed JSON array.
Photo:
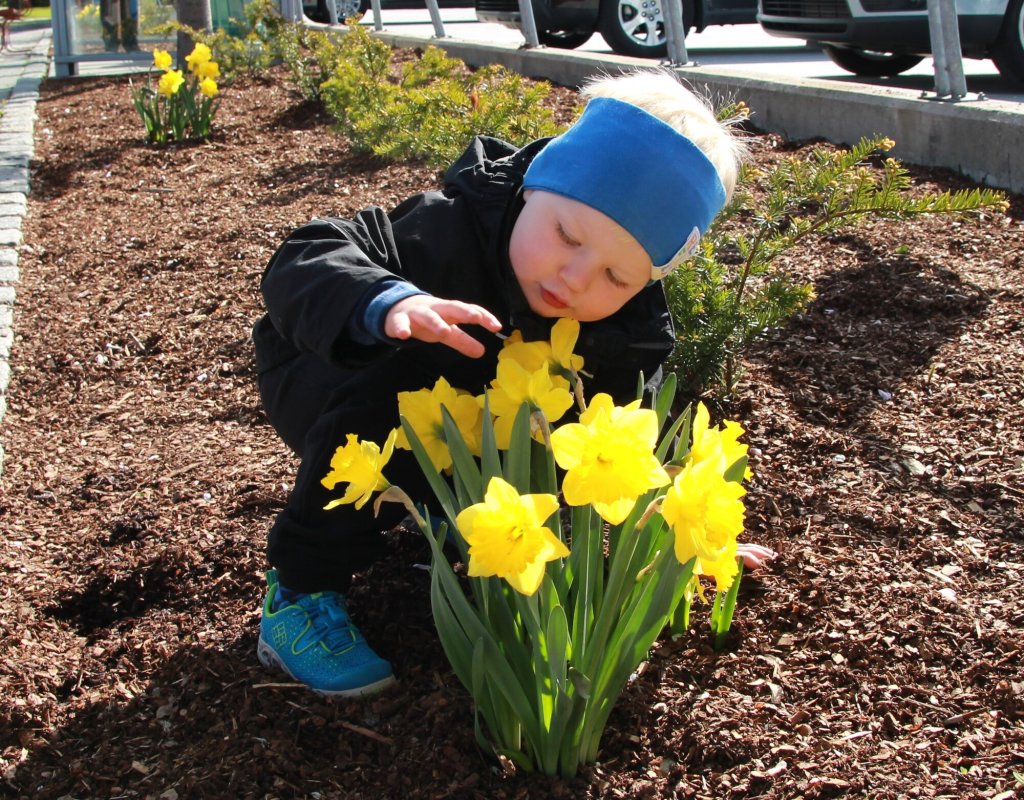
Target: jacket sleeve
[{"x": 315, "y": 281}]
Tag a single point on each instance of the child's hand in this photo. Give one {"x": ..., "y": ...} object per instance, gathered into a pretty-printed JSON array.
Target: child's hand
[
  {"x": 754, "y": 555},
  {"x": 431, "y": 319}
]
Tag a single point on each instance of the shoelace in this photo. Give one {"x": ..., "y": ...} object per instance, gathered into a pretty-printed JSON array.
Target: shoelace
[{"x": 331, "y": 623}]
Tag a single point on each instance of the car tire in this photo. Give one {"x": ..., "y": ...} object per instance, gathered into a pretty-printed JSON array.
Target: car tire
[
  {"x": 870, "y": 63},
  {"x": 637, "y": 27},
  {"x": 1008, "y": 51},
  {"x": 564, "y": 40}
]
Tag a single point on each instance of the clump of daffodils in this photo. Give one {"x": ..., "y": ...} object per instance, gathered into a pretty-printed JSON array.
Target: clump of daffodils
[
  {"x": 560, "y": 615},
  {"x": 182, "y": 106}
]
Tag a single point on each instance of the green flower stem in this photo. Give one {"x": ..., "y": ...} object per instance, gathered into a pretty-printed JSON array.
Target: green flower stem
[
  {"x": 461, "y": 628},
  {"x": 642, "y": 620},
  {"x": 724, "y": 608},
  {"x": 586, "y": 571},
  {"x": 620, "y": 583}
]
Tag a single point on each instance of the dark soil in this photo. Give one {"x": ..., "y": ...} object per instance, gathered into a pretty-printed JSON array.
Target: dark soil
[{"x": 878, "y": 656}]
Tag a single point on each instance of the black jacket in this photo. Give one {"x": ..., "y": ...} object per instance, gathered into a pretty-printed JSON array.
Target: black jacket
[{"x": 453, "y": 244}]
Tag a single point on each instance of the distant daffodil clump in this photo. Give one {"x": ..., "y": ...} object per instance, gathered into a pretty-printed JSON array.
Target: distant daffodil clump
[{"x": 181, "y": 106}]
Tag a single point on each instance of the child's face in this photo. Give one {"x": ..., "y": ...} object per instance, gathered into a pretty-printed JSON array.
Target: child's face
[{"x": 573, "y": 261}]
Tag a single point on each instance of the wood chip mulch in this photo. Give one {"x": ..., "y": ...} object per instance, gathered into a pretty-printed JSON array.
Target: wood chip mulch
[{"x": 879, "y": 655}]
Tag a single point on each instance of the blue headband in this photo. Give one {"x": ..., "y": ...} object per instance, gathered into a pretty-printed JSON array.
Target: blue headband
[{"x": 666, "y": 198}]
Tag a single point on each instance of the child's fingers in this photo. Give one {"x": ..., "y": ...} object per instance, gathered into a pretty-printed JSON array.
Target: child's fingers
[
  {"x": 461, "y": 341},
  {"x": 438, "y": 324},
  {"x": 453, "y": 311},
  {"x": 755, "y": 555},
  {"x": 399, "y": 326}
]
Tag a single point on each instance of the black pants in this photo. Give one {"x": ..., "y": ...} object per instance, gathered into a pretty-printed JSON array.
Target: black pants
[
  {"x": 314, "y": 406},
  {"x": 120, "y": 24}
]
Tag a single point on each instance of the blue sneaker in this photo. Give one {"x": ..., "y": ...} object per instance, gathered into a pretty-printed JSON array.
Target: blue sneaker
[{"x": 313, "y": 640}]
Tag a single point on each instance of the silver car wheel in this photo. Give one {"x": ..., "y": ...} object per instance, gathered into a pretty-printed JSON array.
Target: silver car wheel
[
  {"x": 346, "y": 9},
  {"x": 642, "y": 21}
]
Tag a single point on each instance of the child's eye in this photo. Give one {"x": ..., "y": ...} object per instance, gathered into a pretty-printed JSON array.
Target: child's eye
[
  {"x": 565, "y": 237},
  {"x": 615, "y": 281}
]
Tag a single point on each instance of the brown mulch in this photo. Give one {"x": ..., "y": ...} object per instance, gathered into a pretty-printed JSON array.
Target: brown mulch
[{"x": 878, "y": 656}]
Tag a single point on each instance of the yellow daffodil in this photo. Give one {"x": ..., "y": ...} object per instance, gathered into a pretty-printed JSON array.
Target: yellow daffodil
[
  {"x": 530, "y": 355},
  {"x": 507, "y": 536},
  {"x": 608, "y": 457},
  {"x": 208, "y": 86},
  {"x": 423, "y": 410},
  {"x": 162, "y": 60},
  {"x": 514, "y": 386},
  {"x": 170, "y": 82},
  {"x": 557, "y": 354},
  {"x": 706, "y": 515},
  {"x": 708, "y": 441},
  {"x": 361, "y": 465},
  {"x": 200, "y": 55},
  {"x": 207, "y": 69}
]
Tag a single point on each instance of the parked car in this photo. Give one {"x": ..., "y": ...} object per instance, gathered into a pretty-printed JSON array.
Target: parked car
[
  {"x": 631, "y": 27},
  {"x": 879, "y": 38},
  {"x": 346, "y": 9}
]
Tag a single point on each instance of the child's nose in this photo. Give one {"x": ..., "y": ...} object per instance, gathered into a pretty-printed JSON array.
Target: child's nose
[{"x": 576, "y": 274}]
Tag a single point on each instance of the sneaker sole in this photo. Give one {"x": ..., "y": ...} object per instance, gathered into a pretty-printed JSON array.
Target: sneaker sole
[{"x": 269, "y": 659}]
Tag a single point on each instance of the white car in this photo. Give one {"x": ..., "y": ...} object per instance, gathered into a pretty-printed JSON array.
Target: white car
[{"x": 886, "y": 37}]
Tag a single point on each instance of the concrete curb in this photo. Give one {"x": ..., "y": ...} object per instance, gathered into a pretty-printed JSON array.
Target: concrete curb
[
  {"x": 976, "y": 138},
  {"x": 16, "y": 136}
]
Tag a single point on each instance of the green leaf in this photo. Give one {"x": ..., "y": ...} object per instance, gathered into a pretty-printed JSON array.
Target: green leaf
[
  {"x": 518, "y": 455},
  {"x": 664, "y": 398},
  {"x": 736, "y": 470},
  {"x": 683, "y": 442},
  {"x": 466, "y": 471},
  {"x": 442, "y": 491},
  {"x": 490, "y": 460},
  {"x": 558, "y": 646},
  {"x": 725, "y": 607},
  {"x": 680, "y": 427}
]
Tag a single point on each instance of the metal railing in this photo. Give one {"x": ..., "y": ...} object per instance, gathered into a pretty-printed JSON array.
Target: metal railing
[{"x": 949, "y": 60}]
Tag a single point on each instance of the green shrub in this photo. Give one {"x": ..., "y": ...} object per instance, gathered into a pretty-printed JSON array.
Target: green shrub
[{"x": 434, "y": 106}]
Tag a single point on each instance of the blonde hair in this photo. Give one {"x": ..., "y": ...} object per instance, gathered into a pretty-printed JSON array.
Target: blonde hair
[{"x": 661, "y": 93}]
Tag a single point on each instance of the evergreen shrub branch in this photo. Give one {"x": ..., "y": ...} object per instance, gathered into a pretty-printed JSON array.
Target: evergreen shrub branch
[{"x": 735, "y": 291}]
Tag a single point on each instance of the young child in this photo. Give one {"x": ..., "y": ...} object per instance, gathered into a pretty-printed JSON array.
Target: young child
[{"x": 583, "y": 225}]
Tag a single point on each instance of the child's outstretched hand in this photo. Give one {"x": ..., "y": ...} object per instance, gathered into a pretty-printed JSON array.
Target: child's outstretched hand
[
  {"x": 754, "y": 555},
  {"x": 431, "y": 319}
]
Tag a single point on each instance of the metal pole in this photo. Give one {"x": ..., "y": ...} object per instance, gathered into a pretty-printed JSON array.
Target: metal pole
[
  {"x": 528, "y": 24},
  {"x": 435, "y": 17},
  {"x": 944, "y": 30},
  {"x": 378, "y": 21},
  {"x": 62, "y": 44},
  {"x": 954, "y": 55},
  {"x": 291, "y": 10},
  {"x": 675, "y": 32},
  {"x": 938, "y": 48}
]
